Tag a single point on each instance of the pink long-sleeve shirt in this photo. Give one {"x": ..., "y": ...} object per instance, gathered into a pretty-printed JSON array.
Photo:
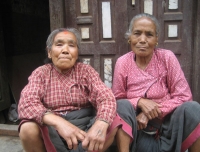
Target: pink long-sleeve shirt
[
  {"x": 80, "y": 87},
  {"x": 162, "y": 81}
]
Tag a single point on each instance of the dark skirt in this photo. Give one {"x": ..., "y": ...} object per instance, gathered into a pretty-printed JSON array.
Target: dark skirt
[
  {"x": 178, "y": 131},
  {"x": 128, "y": 122},
  {"x": 83, "y": 119}
]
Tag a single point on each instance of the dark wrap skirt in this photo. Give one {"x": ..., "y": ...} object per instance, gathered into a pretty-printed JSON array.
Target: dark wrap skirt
[
  {"x": 127, "y": 117},
  {"x": 178, "y": 132},
  {"x": 84, "y": 119}
]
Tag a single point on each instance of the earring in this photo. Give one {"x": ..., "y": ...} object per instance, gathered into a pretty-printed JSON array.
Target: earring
[
  {"x": 157, "y": 44},
  {"x": 129, "y": 41}
]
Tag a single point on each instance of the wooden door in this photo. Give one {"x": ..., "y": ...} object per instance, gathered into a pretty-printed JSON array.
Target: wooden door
[
  {"x": 176, "y": 20},
  {"x": 103, "y": 23},
  {"x": 196, "y": 52}
]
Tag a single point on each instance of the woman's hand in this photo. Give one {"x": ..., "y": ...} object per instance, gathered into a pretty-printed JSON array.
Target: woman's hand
[
  {"x": 142, "y": 121},
  {"x": 149, "y": 108},
  {"x": 68, "y": 131},
  {"x": 95, "y": 137}
]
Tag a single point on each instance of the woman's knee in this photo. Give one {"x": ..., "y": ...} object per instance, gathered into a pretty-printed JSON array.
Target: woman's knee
[
  {"x": 124, "y": 105},
  {"x": 190, "y": 106},
  {"x": 29, "y": 130},
  {"x": 125, "y": 110},
  {"x": 189, "y": 110}
]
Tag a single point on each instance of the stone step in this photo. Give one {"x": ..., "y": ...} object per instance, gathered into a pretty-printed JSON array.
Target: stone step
[{"x": 9, "y": 130}]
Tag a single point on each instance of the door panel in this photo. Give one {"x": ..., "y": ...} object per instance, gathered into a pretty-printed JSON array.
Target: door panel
[
  {"x": 56, "y": 10},
  {"x": 196, "y": 53},
  {"x": 176, "y": 30}
]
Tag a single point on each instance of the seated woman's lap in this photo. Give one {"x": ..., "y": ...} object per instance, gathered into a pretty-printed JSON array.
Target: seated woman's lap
[
  {"x": 83, "y": 119},
  {"x": 31, "y": 131},
  {"x": 175, "y": 129},
  {"x": 179, "y": 126}
]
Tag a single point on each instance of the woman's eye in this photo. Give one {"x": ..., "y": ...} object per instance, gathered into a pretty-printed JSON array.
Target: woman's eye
[
  {"x": 72, "y": 45},
  {"x": 59, "y": 44},
  {"x": 149, "y": 34},
  {"x": 137, "y": 34}
]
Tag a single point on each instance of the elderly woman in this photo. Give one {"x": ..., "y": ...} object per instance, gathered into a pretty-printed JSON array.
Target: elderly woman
[
  {"x": 65, "y": 106},
  {"x": 154, "y": 83}
]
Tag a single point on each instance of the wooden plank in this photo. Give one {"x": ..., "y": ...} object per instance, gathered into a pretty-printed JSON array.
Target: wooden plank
[{"x": 56, "y": 11}]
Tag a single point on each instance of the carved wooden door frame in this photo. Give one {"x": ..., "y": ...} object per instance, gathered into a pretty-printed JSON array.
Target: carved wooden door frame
[{"x": 196, "y": 52}]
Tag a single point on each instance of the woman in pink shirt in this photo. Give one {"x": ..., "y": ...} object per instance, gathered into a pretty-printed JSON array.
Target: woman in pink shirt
[
  {"x": 152, "y": 80},
  {"x": 65, "y": 107}
]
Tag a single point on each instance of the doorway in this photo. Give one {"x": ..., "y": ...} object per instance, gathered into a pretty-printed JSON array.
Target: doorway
[{"x": 25, "y": 28}]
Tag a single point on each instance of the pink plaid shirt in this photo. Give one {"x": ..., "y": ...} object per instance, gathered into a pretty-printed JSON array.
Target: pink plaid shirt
[
  {"x": 162, "y": 81},
  {"x": 80, "y": 87}
]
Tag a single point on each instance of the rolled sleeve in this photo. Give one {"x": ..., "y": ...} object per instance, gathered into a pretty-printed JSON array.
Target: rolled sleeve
[
  {"x": 30, "y": 105},
  {"x": 101, "y": 97}
]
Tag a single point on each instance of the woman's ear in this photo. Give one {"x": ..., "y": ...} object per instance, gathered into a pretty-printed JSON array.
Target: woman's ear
[
  {"x": 157, "y": 38},
  {"x": 49, "y": 54}
]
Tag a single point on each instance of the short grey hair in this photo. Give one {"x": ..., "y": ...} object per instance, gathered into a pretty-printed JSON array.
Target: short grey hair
[
  {"x": 53, "y": 34},
  {"x": 151, "y": 17}
]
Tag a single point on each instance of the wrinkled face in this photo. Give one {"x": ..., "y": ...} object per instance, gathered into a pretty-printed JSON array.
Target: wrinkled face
[
  {"x": 143, "y": 38},
  {"x": 64, "y": 51}
]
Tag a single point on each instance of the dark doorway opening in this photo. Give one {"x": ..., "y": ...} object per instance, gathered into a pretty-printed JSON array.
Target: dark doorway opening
[{"x": 24, "y": 30}]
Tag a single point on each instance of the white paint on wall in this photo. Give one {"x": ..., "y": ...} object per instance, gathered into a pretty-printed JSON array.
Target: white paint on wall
[
  {"x": 133, "y": 2},
  {"x": 84, "y": 6},
  {"x": 85, "y": 33},
  {"x": 172, "y": 31},
  {"x": 148, "y": 7},
  {"x": 173, "y": 4},
  {"x": 86, "y": 60},
  {"x": 108, "y": 72},
  {"x": 106, "y": 20}
]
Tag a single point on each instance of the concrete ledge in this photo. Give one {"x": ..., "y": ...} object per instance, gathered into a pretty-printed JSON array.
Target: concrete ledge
[{"x": 9, "y": 130}]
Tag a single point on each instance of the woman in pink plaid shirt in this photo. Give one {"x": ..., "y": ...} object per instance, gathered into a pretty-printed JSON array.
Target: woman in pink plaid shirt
[{"x": 65, "y": 106}]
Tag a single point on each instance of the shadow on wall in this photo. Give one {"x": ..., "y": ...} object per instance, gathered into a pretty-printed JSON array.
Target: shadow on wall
[
  {"x": 20, "y": 67},
  {"x": 26, "y": 26}
]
